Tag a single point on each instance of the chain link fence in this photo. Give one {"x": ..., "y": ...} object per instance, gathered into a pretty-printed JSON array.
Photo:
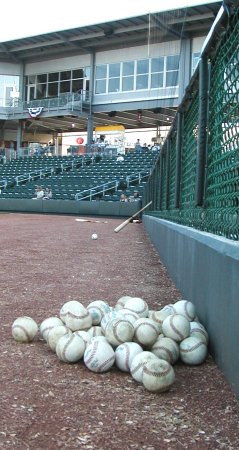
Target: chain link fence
[{"x": 195, "y": 181}]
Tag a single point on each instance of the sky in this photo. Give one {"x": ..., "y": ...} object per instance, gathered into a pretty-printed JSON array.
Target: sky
[{"x": 24, "y": 19}]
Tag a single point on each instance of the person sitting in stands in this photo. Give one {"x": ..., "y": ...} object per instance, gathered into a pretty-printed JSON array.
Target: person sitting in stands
[
  {"x": 39, "y": 193},
  {"x": 48, "y": 193},
  {"x": 120, "y": 158},
  {"x": 123, "y": 198}
]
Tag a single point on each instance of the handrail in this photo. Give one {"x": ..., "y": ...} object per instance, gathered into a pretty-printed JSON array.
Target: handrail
[{"x": 111, "y": 184}]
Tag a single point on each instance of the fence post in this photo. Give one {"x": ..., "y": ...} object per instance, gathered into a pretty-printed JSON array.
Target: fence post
[
  {"x": 178, "y": 158},
  {"x": 202, "y": 131},
  {"x": 168, "y": 149}
]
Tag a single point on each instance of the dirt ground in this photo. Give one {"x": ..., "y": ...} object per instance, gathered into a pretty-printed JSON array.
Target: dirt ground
[{"x": 46, "y": 404}]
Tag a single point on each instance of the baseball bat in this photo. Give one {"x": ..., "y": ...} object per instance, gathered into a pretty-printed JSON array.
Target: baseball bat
[{"x": 123, "y": 224}]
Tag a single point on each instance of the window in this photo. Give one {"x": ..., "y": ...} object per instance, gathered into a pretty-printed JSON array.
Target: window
[
  {"x": 157, "y": 72},
  {"x": 195, "y": 59},
  {"x": 55, "y": 83},
  {"x": 142, "y": 74},
  {"x": 172, "y": 69},
  {"x": 101, "y": 76},
  {"x": 114, "y": 78},
  {"x": 128, "y": 76}
]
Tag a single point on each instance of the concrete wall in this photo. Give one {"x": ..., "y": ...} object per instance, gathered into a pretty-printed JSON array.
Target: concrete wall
[
  {"x": 101, "y": 208},
  {"x": 205, "y": 268}
]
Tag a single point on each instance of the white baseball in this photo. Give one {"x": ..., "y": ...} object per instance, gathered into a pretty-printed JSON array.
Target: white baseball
[
  {"x": 159, "y": 316},
  {"x": 24, "y": 329},
  {"x": 121, "y": 302},
  {"x": 146, "y": 331},
  {"x": 199, "y": 331},
  {"x": 193, "y": 351},
  {"x": 47, "y": 324},
  {"x": 99, "y": 356},
  {"x": 158, "y": 375},
  {"x": 109, "y": 316},
  {"x": 166, "y": 348},
  {"x": 75, "y": 316},
  {"x": 138, "y": 362},
  {"x": 185, "y": 308},
  {"x": 130, "y": 315},
  {"x": 125, "y": 353},
  {"x": 119, "y": 330},
  {"x": 84, "y": 335},
  {"x": 95, "y": 331},
  {"x": 176, "y": 327},
  {"x": 55, "y": 334},
  {"x": 97, "y": 309},
  {"x": 94, "y": 236},
  {"x": 70, "y": 348},
  {"x": 137, "y": 305}
]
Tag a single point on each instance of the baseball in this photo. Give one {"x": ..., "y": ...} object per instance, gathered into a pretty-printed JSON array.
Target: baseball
[
  {"x": 125, "y": 353},
  {"x": 138, "y": 362},
  {"x": 109, "y": 316},
  {"x": 24, "y": 329},
  {"x": 99, "y": 356},
  {"x": 70, "y": 348},
  {"x": 94, "y": 236},
  {"x": 199, "y": 331},
  {"x": 118, "y": 331},
  {"x": 97, "y": 309},
  {"x": 137, "y": 305},
  {"x": 75, "y": 316},
  {"x": 158, "y": 375},
  {"x": 84, "y": 335},
  {"x": 193, "y": 351},
  {"x": 130, "y": 315},
  {"x": 167, "y": 349},
  {"x": 54, "y": 335},
  {"x": 95, "y": 331},
  {"x": 176, "y": 327},
  {"x": 48, "y": 324},
  {"x": 121, "y": 302},
  {"x": 159, "y": 316},
  {"x": 146, "y": 331},
  {"x": 185, "y": 308}
]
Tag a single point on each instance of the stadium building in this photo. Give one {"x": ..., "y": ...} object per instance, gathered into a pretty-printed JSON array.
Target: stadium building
[{"x": 130, "y": 72}]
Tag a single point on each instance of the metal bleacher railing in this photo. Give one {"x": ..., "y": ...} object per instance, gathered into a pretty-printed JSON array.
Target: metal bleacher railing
[{"x": 195, "y": 181}]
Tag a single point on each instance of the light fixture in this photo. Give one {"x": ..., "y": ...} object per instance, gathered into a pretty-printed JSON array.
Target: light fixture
[{"x": 73, "y": 125}]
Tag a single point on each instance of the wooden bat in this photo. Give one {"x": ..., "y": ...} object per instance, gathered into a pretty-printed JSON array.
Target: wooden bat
[
  {"x": 91, "y": 221},
  {"x": 123, "y": 224}
]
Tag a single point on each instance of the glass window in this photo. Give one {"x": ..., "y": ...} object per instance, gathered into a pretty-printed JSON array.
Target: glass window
[
  {"x": 157, "y": 64},
  {"x": 65, "y": 75},
  {"x": 128, "y": 84},
  {"x": 53, "y": 90},
  {"x": 40, "y": 90},
  {"x": 41, "y": 78},
  {"x": 101, "y": 71},
  {"x": 79, "y": 73},
  {"x": 87, "y": 72},
  {"x": 77, "y": 85},
  {"x": 128, "y": 68},
  {"x": 114, "y": 85},
  {"x": 54, "y": 76},
  {"x": 172, "y": 78},
  {"x": 172, "y": 62},
  {"x": 195, "y": 59},
  {"x": 142, "y": 66},
  {"x": 65, "y": 86},
  {"x": 157, "y": 80},
  {"x": 31, "y": 79},
  {"x": 100, "y": 86},
  {"x": 114, "y": 70},
  {"x": 142, "y": 82}
]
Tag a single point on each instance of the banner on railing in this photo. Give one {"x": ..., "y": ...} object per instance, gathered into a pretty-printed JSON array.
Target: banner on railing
[{"x": 35, "y": 112}]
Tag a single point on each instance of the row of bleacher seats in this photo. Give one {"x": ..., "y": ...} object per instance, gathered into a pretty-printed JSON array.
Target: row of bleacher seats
[{"x": 79, "y": 175}]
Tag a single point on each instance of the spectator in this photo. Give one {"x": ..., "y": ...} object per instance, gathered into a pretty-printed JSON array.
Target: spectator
[
  {"x": 39, "y": 193},
  {"x": 120, "y": 158},
  {"x": 124, "y": 198},
  {"x": 137, "y": 146},
  {"x": 48, "y": 194}
]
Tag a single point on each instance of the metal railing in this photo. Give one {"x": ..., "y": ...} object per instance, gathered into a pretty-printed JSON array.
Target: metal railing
[{"x": 195, "y": 181}]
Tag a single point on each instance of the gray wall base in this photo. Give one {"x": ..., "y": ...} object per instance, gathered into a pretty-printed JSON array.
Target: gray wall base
[
  {"x": 205, "y": 268},
  {"x": 101, "y": 208}
]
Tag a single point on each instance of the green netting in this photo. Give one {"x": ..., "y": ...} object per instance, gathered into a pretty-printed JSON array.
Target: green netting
[{"x": 220, "y": 211}]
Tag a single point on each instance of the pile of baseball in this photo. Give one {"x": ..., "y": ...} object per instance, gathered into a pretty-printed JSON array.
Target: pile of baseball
[{"x": 146, "y": 343}]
